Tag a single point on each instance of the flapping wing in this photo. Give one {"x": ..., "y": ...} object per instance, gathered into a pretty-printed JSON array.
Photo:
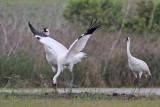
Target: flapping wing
[
  {"x": 80, "y": 43},
  {"x": 57, "y": 47}
]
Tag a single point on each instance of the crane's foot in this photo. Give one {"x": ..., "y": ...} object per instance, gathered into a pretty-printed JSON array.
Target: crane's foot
[
  {"x": 55, "y": 88},
  {"x": 70, "y": 86},
  {"x": 70, "y": 90},
  {"x": 136, "y": 81},
  {"x": 134, "y": 90},
  {"x": 55, "y": 91}
]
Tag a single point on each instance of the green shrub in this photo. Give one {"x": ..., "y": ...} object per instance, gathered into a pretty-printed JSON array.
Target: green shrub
[
  {"x": 134, "y": 24},
  {"x": 156, "y": 20},
  {"x": 157, "y": 15},
  {"x": 144, "y": 10},
  {"x": 110, "y": 13},
  {"x": 83, "y": 11}
]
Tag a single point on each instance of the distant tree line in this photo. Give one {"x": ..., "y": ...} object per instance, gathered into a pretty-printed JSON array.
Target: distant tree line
[{"x": 143, "y": 16}]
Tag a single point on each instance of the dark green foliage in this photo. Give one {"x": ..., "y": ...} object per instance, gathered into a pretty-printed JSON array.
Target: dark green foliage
[
  {"x": 140, "y": 21},
  {"x": 144, "y": 10},
  {"x": 110, "y": 13},
  {"x": 135, "y": 24},
  {"x": 156, "y": 19},
  {"x": 157, "y": 15},
  {"x": 83, "y": 11}
]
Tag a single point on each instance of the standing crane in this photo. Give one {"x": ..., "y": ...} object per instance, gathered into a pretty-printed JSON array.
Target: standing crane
[
  {"x": 65, "y": 57},
  {"x": 137, "y": 66}
]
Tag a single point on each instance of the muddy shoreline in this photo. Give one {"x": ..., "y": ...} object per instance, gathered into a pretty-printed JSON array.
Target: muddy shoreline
[{"x": 82, "y": 95}]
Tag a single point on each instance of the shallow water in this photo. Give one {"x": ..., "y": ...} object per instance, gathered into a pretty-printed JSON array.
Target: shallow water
[{"x": 142, "y": 91}]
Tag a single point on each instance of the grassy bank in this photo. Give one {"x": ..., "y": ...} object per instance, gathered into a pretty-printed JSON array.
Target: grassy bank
[
  {"x": 22, "y": 58},
  {"x": 32, "y": 1},
  {"x": 17, "y": 102}
]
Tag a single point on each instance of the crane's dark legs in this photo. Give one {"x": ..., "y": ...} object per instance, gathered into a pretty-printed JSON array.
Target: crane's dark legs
[
  {"x": 134, "y": 82},
  {"x": 71, "y": 82},
  {"x": 55, "y": 87},
  {"x": 63, "y": 79},
  {"x": 151, "y": 80},
  {"x": 139, "y": 85},
  {"x": 72, "y": 78},
  {"x": 56, "y": 91},
  {"x": 54, "y": 81}
]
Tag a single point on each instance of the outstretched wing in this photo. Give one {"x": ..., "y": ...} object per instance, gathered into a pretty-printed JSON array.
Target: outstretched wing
[
  {"x": 57, "y": 47},
  {"x": 79, "y": 44}
]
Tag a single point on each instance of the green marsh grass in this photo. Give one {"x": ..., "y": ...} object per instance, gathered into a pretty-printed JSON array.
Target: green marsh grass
[
  {"x": 17, "y": 102},
  {"x": 99, "y": 69},
  {"x": 32, "y": 1}
]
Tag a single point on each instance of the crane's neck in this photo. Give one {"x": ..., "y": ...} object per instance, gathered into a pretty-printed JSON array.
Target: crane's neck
[{"x": 128, "y": 49}]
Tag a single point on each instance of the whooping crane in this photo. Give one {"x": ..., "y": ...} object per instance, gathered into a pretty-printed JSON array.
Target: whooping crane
[
  {"x": 65, "y": 57},
  {"x": 137, "y": 66},
  {"x": 50, "y": 55}
]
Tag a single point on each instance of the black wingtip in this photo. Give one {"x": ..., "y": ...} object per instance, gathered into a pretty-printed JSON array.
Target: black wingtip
[
  {"x": 32, "y": 28},
  {"x": 93, "y": 26},
  {"x": 29, "y": 24},
  {"x": 36, "y": 32}
]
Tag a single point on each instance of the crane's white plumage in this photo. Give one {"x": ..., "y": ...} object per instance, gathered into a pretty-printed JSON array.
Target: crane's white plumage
[
  {"x": 58, "y": 48},
  {"x": 50, "y": 54},
  {"x": 59, "y": 55},
  {"x": 137, "y": 66},
  {"x": 77, "y": 46}
]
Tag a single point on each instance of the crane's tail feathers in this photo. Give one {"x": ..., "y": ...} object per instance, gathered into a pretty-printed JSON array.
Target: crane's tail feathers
[
  {"x": 35, "y": 32},
  {"x": 93, "y": 26},
  {"x": 80, "y": 55}
]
